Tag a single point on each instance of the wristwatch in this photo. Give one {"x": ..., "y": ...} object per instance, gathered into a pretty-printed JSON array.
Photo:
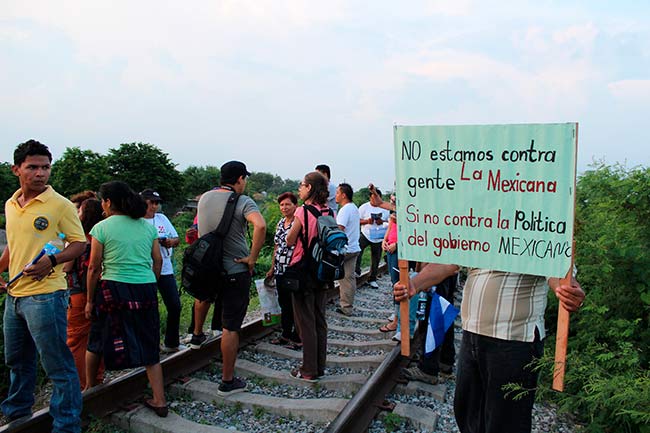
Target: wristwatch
[{"x": 52, "y": 259}]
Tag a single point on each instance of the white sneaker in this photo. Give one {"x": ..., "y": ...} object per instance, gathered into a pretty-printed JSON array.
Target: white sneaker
[
  {"x": 373, "y": 284},
  {"x": 397, "y": 336}
]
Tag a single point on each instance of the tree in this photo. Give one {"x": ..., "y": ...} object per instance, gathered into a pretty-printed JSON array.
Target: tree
[
  {"x": 79, "y": 170},
  {"x": 197, "y": 180},
  {"x": 143, "y": 165},
  {"x": 8, "y": 183}
]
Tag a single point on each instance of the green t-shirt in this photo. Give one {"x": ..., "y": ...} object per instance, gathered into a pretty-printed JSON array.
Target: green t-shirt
[{"x": 127, "y": 249}]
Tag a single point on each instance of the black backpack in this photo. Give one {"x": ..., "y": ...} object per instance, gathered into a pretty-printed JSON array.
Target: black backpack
[
  {"x": 326, "y": 254},
  {"x": 203, "y": 259}
]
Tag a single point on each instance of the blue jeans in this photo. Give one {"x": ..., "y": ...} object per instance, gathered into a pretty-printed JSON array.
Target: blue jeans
[
  {"x": 37, "y": 325},
  {"x": 169, "y": 293},
  {"x": 485, "y": 365}
]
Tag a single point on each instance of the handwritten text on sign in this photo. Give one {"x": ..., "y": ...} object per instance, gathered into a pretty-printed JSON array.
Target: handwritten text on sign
[{"x": 490, "y": 196}]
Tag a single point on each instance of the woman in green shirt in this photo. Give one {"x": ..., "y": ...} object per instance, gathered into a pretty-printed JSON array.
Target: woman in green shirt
[{"x": 124, "y": 304}]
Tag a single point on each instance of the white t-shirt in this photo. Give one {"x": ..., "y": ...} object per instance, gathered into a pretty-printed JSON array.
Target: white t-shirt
[
  {"x": 348, "y": 217},
  {"x": 331, "y": 199},
  {"x": 373, "y": 232},
  {"x": 165, "y": 229}
]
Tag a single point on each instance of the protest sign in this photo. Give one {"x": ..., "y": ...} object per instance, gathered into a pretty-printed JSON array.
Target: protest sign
[{"x": 491, "y": 196}]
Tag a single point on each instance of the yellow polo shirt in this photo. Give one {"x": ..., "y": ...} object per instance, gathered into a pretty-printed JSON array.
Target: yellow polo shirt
[{"x": 29, "y": 228}]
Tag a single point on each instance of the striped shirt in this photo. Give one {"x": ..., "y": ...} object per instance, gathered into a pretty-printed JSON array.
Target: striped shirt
[{"x": 504, "y": 305}]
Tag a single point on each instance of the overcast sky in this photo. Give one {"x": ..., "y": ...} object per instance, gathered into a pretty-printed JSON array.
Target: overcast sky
[{"x": 284, "y": 85}]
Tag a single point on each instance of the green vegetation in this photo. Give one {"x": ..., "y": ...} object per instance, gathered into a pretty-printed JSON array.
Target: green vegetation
[{"x": 393, "y": 422}]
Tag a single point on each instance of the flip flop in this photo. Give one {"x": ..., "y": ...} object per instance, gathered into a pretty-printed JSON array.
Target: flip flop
[
  {"x": 280, "y": 341},
  {"x": 161, "y": 411},
  {"x": 385, "y": 328},
  {"x": 293, "y": 345}
]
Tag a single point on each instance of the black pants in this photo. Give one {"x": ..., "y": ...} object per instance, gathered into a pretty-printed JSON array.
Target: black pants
[
  {"x": 485, "y": 365},
  {"x": 375, "y": 256},
  {"x": 169, "y": 293},
  {"x": 289, "y": 330}
]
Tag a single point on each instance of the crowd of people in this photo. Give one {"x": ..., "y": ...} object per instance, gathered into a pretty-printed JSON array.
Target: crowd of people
[{"x": 92, "y": 305}]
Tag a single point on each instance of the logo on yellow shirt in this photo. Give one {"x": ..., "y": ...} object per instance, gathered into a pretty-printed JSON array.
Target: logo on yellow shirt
[{"x": 41, "y": 223}]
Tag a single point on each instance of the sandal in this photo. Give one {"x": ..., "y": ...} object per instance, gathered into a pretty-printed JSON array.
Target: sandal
[
  {"x": 161, "y": 411},
  {"x": 386, "y": 328},
  {"x": 296, "y": 374},
  {"x": 280, "y": 341},
  {"x": 293, "y": 345}
]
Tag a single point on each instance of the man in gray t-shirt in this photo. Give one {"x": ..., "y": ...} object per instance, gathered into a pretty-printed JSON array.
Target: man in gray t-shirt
[{"x": 239, "y": 262}]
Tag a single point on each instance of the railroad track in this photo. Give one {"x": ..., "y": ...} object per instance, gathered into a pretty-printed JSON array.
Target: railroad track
[{"x": 360, "y": 390}]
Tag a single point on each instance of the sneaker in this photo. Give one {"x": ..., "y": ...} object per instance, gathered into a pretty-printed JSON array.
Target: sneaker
[
  {"x": 373, "y": 284},
  {"x": 166, "y": 349},
  {"x": 296, "y": 374},
  {"x": 235, "y": 385},
  {"x": 197, "y": 341},
  {"x": 414, "y": 373}
]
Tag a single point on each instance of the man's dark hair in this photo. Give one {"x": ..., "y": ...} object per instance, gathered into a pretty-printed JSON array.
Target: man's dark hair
[
  {"x": 30, "y": 148},
  {"x": 324, "y": 168},
  {"x": 346, "y": 189}
]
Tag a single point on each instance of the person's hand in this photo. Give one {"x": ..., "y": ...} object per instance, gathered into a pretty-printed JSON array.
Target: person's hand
[
  {"x": 269, "y": 274},
  {"x": 401, "y": 293},
  {"x": 379, "y": 221},
  {"x": 3, "y": 285},
  {"x": 164, "y": 242},
  {"x": 248, "y": 260},
  {"x": 570, "y": 296},
  {"x": 88, "y": 311},
  {"x": 392, "y": 248},
  {"x": 375, "y": 199},
  {"x": 40, "y": 269},
  {"x": 384, "y": 245}
]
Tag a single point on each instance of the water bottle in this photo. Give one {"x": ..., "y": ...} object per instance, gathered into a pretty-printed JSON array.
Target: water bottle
[
  {"x": 54, "y": 246},
  {"x": 420, "y": 312}
]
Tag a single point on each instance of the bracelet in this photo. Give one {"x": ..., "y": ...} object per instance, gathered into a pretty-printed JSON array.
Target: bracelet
[{"x": 52, "y": 259}]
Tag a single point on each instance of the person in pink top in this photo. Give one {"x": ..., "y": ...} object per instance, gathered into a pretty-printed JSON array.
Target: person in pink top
[
  {"x": 389, "y": 245},
  {"x": 309, "y": 302}
]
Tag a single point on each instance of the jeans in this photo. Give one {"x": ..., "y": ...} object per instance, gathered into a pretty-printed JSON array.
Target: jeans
[
  {"x": 36, "y": 325},
  {"x": 485, "y": 365},
  {"x": 169, "y": 293},
  {"x": 393, "y": 267}
]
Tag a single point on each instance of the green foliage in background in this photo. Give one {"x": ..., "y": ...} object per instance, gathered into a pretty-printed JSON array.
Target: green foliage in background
[
  {"x": 78, "y": 170},
  {"x": 8, "y": 184},
  {"x": 607, "y": 378}
]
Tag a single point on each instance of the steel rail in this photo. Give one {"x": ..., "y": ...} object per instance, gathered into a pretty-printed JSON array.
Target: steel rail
[{"x": 111, "y": 396}]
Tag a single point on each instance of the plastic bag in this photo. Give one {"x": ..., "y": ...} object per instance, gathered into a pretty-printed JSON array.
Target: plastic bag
[{"x": 269, "y": 304}]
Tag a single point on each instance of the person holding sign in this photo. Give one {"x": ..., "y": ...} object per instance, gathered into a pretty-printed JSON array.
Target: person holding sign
[{"x": 503, "y": 333}]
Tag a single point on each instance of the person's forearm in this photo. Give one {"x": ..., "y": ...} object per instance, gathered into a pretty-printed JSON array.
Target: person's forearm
[
  {"x": 432, "y": 274},
  {"x": 258, "y": 241},
  {"x": 92, "y": 278},
  {"x": 71, "y": 252},
  {"x": 4, "y": 259}
]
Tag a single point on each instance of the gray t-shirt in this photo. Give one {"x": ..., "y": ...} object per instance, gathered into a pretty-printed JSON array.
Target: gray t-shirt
[{"x": 210, "y": 210}]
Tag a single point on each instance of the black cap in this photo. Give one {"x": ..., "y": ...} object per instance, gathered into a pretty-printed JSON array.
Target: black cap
[
  {"x": 150, "y": 194},
  {"x": 231, "y": 171}
]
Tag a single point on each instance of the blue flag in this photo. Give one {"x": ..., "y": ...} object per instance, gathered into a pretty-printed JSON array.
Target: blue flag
[{"x": 441, "y": 317}]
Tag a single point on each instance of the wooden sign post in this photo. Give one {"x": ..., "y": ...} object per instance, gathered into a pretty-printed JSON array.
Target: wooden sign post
[{"x": 405, "y": 332}]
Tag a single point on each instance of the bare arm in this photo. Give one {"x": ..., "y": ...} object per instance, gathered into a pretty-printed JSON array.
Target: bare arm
[
  {"x": 259, "y": 231},
  {"x": 4, "y": 265},
  {"x": 157, "y": 258},
  {"x": 292, "y": 236},
  {"x": 94, "y": 272},
  {"x": 431, "y": 274}
]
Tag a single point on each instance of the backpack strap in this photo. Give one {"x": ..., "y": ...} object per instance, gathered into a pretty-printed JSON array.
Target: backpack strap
[{"x": 226, "y": 220}]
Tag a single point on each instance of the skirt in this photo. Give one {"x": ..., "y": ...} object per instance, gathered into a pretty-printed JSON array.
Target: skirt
[{"x": 125, "y": 325}]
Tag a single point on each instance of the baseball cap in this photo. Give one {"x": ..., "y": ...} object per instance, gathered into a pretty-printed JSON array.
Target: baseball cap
[
  {"x": 231, "y": 171},
  {"x": 150, "y": 194}
]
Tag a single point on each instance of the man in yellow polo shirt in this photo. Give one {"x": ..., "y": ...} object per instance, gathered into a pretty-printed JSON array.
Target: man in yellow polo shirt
[{"x": 35, "y": 308}]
